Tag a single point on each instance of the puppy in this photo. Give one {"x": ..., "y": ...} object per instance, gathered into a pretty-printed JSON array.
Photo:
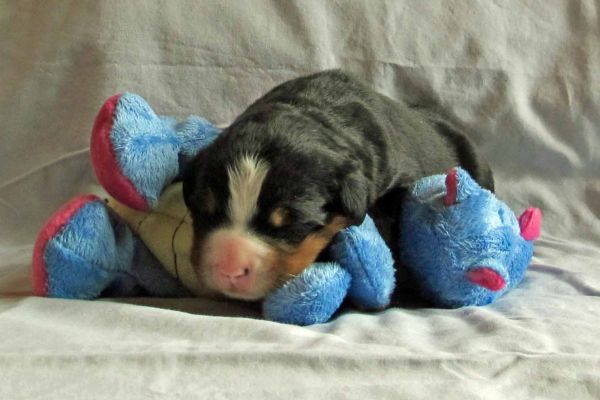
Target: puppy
[{"x": 307, "y": 159}]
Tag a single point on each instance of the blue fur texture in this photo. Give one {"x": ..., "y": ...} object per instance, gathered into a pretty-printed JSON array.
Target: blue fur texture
[
  {"x": 95, "y": 254},
  {"x": 362, "y": 252},
  {"x": 310, "y": 298},
  {"x": 441, "y": 244},
  {"x": 148, "y": 147},
  {"x": 86, "y": 254}
]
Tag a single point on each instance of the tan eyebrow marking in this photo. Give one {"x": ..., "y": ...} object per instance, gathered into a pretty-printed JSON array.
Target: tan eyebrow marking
[
  {"x": 279, "y": 217},
  {"x": 295, "y": 259}
]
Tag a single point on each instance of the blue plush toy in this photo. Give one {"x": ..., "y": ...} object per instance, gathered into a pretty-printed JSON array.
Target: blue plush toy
[
  {"x": 462, "y": 245},
  {"x": 139, "y": 243}
]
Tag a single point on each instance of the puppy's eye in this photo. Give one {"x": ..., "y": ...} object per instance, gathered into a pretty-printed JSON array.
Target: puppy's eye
[{"x": 280, "y": 217}]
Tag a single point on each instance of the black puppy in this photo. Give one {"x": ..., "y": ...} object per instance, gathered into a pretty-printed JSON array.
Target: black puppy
[{"x": 310, "y": 157}]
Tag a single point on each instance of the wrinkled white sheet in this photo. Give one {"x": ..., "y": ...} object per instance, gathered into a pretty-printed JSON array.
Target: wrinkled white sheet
[{"x": 523, "y": 76}]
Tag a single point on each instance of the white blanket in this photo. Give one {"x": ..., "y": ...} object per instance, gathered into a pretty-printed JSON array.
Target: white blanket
[{"x": 523, "y": 76}]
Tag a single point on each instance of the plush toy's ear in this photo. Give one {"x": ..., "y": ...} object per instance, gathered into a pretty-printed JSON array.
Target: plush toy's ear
[
  {"x": 530, "y": 223},
  {"x": 353, "y": 196},
  {"x": 451, "y": 188},
  {"x": 459, "y": 186}
]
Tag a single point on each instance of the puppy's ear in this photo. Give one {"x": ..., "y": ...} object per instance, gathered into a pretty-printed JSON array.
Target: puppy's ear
[{"x": 353, "y": 196}]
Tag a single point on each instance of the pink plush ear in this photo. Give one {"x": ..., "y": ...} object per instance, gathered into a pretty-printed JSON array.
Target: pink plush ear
[
  {"x": 451, "y": 187},
  {"x": 530, "y": 222},
  {"x": 487, "y": 278}
]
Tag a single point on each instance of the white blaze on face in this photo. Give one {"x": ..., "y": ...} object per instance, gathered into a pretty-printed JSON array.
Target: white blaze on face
[{"x": 246, "y": 178}]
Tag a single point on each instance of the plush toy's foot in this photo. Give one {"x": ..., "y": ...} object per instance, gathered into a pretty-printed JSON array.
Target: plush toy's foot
[
  {"x": 136, "y": 153},
  {"x": 79, "y": 252},
  {"x": 310, "y": 298},
  {"x": 363, "y": 253}
]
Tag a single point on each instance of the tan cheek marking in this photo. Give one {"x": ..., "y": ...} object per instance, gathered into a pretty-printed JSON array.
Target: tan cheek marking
[
  {"x": 304, "y": 254},
  {"x": 279, "y": 217}
]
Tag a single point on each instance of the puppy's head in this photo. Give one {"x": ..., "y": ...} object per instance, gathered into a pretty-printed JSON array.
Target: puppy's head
[{"x": 264, "y": 208}]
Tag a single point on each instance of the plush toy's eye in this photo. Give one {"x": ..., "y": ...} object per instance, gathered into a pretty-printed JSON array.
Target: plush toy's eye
[{"x": 280, "y": 217}]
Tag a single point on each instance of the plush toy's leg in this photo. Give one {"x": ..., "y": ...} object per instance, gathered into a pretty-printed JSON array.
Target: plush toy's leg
[
  {"x": 136, "y": 153},
  {"x": 363, "y": 253},
  {"x": 78, "y": 253},
  {"x": 85, "y": 251},
  {"x": 310, "y": 298}
]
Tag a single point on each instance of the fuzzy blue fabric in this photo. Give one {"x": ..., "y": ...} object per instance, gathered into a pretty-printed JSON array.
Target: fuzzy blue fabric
[
  {"x": 310, "y": 298},
  {"x": 149, "y": 147},
  {"x": 95, "y": 253},
  {"x": 441, "y": 244},
  {"x": 86, "y": 255},
  {"x": 362, "y": 252}
]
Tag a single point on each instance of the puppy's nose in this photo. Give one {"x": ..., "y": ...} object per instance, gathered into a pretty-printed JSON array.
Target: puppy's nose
[
  {"x": 234, "y": 261},
  {"x": 238, "y": 275}
]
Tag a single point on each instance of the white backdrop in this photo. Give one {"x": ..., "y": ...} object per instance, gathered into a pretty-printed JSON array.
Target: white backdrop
[{"x": 523, "y": 76}]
